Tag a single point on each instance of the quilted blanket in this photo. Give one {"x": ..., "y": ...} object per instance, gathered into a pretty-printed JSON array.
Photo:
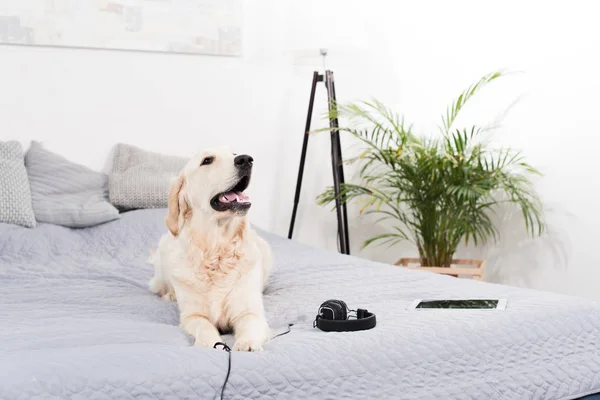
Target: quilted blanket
[{"x": 77, "y": 322}]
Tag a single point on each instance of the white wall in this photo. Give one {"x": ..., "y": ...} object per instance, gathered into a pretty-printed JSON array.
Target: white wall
[{"x": 415, "y": 56}]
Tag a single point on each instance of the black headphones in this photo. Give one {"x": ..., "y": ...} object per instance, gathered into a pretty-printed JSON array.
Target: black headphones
[{"x": 333, "y": 316}]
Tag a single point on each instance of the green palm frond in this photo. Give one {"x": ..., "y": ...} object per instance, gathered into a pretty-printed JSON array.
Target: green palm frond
[{"x": 453, "y": 109}]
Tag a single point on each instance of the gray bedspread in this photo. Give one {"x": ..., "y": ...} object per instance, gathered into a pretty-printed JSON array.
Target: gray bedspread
[{"x": 77, "y": 322}]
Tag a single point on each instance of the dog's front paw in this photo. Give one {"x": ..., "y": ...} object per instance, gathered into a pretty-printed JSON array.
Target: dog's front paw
[
  {"x": 207, "y": 339},
  {"x": 206, "y": 342},
  {"x": 248, "y": 345},
  {"x": 157, "y": 286},
  {"x": 169, "y": 296}
]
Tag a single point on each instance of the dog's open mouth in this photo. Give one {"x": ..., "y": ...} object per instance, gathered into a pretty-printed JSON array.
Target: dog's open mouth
[{"x": 233, "y": 199}]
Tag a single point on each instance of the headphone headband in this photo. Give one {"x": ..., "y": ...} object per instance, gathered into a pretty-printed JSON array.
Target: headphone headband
[{"x": 332, "y": 317}]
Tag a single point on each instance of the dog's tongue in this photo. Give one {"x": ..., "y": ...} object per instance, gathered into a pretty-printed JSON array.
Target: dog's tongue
[
  {"x": 234, "y": 196},
  {"x": 228, "y": 197}
]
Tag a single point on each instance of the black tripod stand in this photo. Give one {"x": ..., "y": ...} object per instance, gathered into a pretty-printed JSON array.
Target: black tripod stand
[{"x": 336, "y": 161}]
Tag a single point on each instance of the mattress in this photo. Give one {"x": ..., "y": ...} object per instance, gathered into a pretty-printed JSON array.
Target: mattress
[{"x": 78, "y": 322}]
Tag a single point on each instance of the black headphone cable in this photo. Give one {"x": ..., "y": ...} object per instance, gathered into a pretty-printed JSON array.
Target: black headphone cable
[{"x": 228, "y": 350}]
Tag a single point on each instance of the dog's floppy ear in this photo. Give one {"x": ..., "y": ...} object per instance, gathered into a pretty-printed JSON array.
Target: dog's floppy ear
[{"x": 177, "y": 205}]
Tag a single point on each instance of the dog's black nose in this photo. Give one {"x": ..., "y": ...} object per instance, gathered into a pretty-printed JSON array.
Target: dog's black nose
[{"x": 243, "y": 160}]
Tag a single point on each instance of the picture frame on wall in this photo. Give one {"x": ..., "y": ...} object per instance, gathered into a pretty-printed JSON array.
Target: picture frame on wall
[{"x": 210, "y": 27}]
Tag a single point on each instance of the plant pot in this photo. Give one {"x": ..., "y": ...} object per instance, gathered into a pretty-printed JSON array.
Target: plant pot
[{"x": 460, "y": 267}]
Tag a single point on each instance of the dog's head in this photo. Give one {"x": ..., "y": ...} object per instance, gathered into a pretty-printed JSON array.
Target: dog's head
[{"x": 211, "y": 183}]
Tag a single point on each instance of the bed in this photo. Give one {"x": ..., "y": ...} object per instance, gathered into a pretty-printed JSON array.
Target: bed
[{"x": 77, "y": 322}]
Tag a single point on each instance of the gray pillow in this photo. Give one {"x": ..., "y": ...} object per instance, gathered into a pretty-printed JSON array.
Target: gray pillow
[
  {"x": 15, "y": 194},
  {"x": 65, "y": 193},
  {"x": 141, "y": 178}
]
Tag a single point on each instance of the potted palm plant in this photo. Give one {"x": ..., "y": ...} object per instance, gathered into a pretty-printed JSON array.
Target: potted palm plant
[{"x": 438, "y": 190}]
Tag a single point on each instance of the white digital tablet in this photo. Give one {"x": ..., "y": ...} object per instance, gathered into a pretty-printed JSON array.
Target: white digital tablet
[{"x": 459, "y": 304}]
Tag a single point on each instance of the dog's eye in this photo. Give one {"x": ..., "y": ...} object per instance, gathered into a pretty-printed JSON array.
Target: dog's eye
[{"x": 207, "y": 161}]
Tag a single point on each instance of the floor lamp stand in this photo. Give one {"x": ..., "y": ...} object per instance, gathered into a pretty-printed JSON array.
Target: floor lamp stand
[{"x": 336, "y": 160}]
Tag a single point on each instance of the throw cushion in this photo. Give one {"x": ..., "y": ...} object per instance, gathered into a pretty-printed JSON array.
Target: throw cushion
[
  {"x": 141, "y": 178},
  {"x": 65, "y": 193},
  {"x": 15, "y": 194}
]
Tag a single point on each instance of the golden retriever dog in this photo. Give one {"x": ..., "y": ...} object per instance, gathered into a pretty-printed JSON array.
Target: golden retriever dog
[{"x": 210, "y": 261}]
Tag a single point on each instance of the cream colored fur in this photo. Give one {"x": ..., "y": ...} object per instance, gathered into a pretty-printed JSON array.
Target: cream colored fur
[{"x": 212, "y": 263}]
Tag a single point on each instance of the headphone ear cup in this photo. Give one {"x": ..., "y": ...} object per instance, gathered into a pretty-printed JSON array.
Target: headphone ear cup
[
  {"x": 343, "y": 309},
  {"x": 334, "y": 310},
  {"x": 331, "y": 310}
]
